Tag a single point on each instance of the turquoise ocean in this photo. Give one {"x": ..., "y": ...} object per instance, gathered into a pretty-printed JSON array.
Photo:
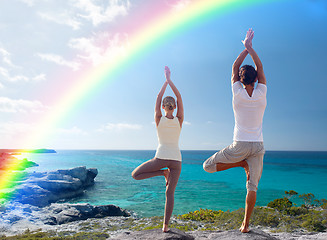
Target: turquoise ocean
[{"x": 303, "y": 172}]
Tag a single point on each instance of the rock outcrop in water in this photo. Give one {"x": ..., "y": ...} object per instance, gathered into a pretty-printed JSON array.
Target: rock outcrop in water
[
  {"x": 55, "y": 214},
  {"x": 42, "y": 188},
  {"x": 64, "y": 213}
]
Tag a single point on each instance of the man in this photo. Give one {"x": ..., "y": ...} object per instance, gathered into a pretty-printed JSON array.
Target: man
[{"x": 249, "y": 103}]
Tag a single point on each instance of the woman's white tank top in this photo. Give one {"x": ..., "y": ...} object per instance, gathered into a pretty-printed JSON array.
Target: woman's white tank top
[{"x": 168, "y": 132}]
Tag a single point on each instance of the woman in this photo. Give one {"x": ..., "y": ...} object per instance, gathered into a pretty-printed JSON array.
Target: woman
[{"x": 168, "y": 154}]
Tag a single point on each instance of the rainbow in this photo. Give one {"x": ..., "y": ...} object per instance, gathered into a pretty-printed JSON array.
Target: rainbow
[
  {"x": 148, "y": 34},
  {"x": 11, "y": 172},
  {"x": 164, "y": 25}
]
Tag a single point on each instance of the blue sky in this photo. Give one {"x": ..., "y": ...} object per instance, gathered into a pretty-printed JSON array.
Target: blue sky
[{"x": 41, "y": 39}]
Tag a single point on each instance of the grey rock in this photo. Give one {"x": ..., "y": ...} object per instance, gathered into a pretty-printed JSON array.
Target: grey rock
[
  {"x": 110, "y": 210},
  {"x": 93, "y": 170},
  {"x": 41, "y": 189},
  {"x": 13, "y": 218},
  {"x": 33, "y": 194},
  {"x": 197, "y": 235},
  {"x": 254, "y": 234},
  {"x": 60, "y": 185},
  {"x": 157, "y": 234},
  {"x": 64, "y": 213},
  {"x": 91, "y": 174},
  {"x": 78, "y": 172},
  {"x": 37, "y": 174}
]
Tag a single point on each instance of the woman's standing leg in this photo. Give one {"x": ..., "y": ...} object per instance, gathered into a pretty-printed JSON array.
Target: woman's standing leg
[{"x": 175, "y": 170}]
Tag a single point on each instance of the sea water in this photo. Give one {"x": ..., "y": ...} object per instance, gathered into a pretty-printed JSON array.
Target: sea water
[{"x": 303, "y": 172}]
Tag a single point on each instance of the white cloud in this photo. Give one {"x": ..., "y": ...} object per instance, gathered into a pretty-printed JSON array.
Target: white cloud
[
  {"x": 101, "y": 47},
  {"x": 59, "y": 60},
  {"x": 5, "y": 57},
  {"x": 5, "y": 73},
  {"x": 13, "y": 128},
  {"x": 180, "y": 5},
  {"x": 7, "y": 69},
  {"x": 63, "y": 18},
  {"x": 12, "y": 133},
  {"x": 187, "y": 123},
  {"x": 75, "y": 13},
  {"x": 72, "y": 131},
  {"x": 98, "y": 14},
  {"x": 29, "y": 2},
  {"x": 120, "y": 126},
  {"x": 39, "y": 77},
  {"x": 20, "y": 105}
]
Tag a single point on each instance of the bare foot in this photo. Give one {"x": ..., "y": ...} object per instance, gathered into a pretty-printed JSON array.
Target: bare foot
[
  {"x": 165, "y": 228},
  {"x": 244, "y": 228},
  {"x": 246, "y": 168},
  {"x": 166, "y": 175}
]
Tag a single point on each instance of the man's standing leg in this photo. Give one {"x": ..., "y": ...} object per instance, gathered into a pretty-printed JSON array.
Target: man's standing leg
[
  {"x": 251, "y": 198},
  {"x": 254, "y": 171}
]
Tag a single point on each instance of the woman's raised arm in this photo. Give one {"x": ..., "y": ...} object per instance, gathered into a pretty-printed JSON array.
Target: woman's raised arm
[
  {"x": 157, "y": 110},
  {"x": 180, "y": 108}
]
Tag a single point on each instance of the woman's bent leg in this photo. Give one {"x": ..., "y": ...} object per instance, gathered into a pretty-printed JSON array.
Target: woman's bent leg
[
  {"x": 149, "y": 169},
  {"x": 153, "y": 168},
  {"x": 175, "y": 170}
]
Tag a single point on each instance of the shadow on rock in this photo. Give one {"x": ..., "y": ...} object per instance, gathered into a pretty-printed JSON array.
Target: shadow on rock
[
  {"x": 254, "y": 234},
  {"x": 157, "y": 234}
]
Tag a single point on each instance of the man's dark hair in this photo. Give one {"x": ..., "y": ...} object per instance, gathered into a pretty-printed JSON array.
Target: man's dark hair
[{"x": 247, "y": 74}]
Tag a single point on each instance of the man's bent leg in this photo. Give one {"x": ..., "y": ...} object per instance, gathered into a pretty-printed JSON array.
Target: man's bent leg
[
  {"x": 210, "y": 164},
  {"x": 251, "y": 198},
  {"x": 225, "y": 166},
  {"x": 226, "y": 158}
]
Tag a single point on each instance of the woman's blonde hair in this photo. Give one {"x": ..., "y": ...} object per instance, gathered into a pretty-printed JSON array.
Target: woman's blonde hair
[{"x": 169, "y": 102}]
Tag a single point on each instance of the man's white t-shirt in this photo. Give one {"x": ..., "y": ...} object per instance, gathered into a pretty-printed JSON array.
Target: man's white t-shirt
[{"x": 248, "y": 112}]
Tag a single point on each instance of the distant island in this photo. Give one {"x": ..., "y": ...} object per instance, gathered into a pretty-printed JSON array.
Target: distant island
[{"x": 18, "y": 151}]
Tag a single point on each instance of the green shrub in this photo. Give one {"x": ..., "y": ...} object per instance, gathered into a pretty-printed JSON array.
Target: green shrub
[
  {"x": 314, "y": 225},
  {"x": 265, "y": 217},
  {"x": 290, "y": 193},
  {"x": 295, "y": 211},
  {"x": 205, "y": 215},
  {"x": 307, "y": 198},
  {"x": 324, "y": 203},
  {"x": 280, "y": 204}
]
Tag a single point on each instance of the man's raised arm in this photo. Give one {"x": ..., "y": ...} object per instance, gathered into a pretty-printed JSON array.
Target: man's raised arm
[
  {"x": 248, "y": 45},
  {"x": 237, "y": 64}
]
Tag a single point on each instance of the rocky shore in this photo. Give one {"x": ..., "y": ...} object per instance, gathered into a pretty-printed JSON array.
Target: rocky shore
[
  {"x": 33, "y": 202},
  {"x": 125, "y": 228},
  {"x": 254, "y": 234}
]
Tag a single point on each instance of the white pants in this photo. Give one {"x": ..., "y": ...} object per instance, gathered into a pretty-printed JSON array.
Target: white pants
[{"x": 251, "y": 152}]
